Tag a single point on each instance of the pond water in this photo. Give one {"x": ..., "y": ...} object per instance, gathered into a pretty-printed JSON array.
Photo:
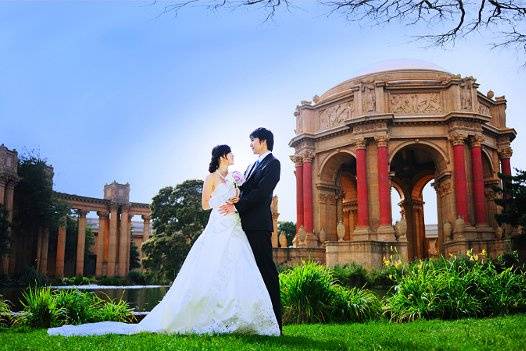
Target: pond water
[{"x": 140, "y": 297}]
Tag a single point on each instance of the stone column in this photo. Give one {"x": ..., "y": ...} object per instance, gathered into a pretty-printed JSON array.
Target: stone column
[
  {"x": 61, "y": 249},
  {"x": 385, "y": 231},
  {"x": 461, "y": 193},
  {"x": 307, "y": 191},
  {"x": 9, "y": 195},
  {"x": 103, "y": 219},
  {"x": 298, "y": 161},
  {"x": 478, "y": 180},
  {"x": 112, "y": 242},
  {"x": 81, "y": 242},
  {"x": 44, "y": 248},
  {"x": 361, "y": 184},
  {"x": 505, "y": 164},
  {"x": 3, "y": 184},
  {"x": 146, "y": 230},
  {"x": 124, "y": 245}
]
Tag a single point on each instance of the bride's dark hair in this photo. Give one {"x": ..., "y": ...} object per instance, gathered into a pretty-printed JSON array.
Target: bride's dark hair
[{"x": 218, "y": 152}]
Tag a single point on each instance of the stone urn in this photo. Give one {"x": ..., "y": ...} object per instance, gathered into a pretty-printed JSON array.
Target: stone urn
[
  {"x": 340, "y": 230},
  {"x": 302, "y": 235},
  {"x": 322, "y": 236},
  {"x": 283, "y": 240},
  {"x": 446, "y": 228},
  {"x": 459, "y": 226},
  {"x": 401, "y": 228}
]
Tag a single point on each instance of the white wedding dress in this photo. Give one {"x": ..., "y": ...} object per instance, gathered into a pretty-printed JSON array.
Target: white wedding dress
[{"x": 218, "y": 290}]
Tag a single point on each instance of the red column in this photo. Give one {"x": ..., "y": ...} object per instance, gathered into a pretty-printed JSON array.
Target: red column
[
  {"x": 461, "y": 194},
  {"x": 299, "y": 190},
  {"x": 505, "y": 165},
  {"x": 361, "y": 182},
  {"x": 307, "y": 193},
  {"x": 478, "y": 181},
  {"x": 384, "y": 185}
]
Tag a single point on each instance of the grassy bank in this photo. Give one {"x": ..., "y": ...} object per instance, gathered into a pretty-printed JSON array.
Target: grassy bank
[{"x": 502, "y": 333}]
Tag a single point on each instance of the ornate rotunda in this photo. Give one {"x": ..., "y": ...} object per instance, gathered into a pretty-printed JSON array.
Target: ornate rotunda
[{"x": 399, "y": 129}]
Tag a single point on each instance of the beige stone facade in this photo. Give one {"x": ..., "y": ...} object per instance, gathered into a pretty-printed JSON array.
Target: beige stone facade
[
  {"x": 400, "y": 130},
  {"x": 113, "y": 234}
]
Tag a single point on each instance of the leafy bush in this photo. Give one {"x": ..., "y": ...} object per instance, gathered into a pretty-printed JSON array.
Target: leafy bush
[
  {"x": 460, "y": 287},
  {"x": 310, "y": 295},
  {"x": 114, "y": 310},
  {"x": 137, "y": 277},
  {"x": 78, "y": 307},
  {"x": 104, "y": 280},
  {"x": 40, "y": 309},
  {"x": 29, "y": 276},
  {"x": 352, "y": 275},
  {"x": 5, "y": 313},
  {"x": 357, "y": 305},
  {"x": 43, "y": 308}
]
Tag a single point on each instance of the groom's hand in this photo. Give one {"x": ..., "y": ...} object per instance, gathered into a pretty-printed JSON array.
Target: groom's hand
[{"x": 227, "y": 209}]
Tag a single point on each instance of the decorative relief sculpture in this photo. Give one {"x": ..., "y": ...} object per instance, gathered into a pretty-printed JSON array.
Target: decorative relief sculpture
[
  {"x": 483, "y": 109},
  {"x": 369, "y": 98},
  {"x": 415, "y": 103},
  {"x": 336, "y": 115},
  {"x": 466, "y": 101}
]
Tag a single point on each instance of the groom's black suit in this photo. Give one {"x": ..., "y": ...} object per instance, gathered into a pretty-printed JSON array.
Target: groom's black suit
[{"x": 256, "y": 220}]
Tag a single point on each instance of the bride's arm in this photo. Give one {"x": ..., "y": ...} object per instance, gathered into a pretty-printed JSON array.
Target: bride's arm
[{"x": 208, "y": 189}]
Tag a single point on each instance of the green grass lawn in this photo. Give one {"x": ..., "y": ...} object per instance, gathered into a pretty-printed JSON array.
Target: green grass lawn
[{"x": 500, "y": 333}]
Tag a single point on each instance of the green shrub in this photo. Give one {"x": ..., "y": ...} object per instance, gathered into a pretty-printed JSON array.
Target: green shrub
[
  {"x": 137, "y": 277},
  {"x": 104, "y": 280},
  {"x": 114, "y": 310},
  {"x": 5, "y": 313},
  {"x": 310, "y": 295},
  {"x": 356, "y": 305},
  {"x": 351, "y": 275},
  {"x": 467, "y": 286},
  {"x": 40, "y": 309},
  {"x": 30, "y": 277},
  {"x": 79, "y": 307}
]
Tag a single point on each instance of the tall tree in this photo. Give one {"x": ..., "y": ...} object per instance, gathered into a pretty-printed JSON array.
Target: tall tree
[
  {"x": 177, "y": 221},
  {"x": 512, "y": 199},
  {"x": 289, "y": 228}
]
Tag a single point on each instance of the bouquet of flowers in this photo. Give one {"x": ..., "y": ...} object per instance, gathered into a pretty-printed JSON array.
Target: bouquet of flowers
[{"x": 237, "y": 178}]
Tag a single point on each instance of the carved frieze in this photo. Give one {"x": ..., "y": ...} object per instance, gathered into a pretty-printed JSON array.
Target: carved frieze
[
  {"x": 369, "y": 127},
  {"x": 483, "y": 109},
  {"x": 336, "y": 115},
  {"x": 424, "y": 103}
]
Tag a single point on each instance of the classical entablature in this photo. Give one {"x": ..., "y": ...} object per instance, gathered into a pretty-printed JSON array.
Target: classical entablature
[{"x": 401, "y": 129}]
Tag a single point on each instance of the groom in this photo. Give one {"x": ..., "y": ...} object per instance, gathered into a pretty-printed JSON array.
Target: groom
[{"x": 253, "y": 206}]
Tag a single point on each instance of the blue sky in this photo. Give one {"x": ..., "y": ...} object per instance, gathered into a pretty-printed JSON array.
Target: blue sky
[{"x": 113, "y": 91}]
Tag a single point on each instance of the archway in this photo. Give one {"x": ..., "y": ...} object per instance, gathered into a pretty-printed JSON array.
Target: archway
[
  {"x": 413, "y": 166},
  {"x": 337, "y": 194}
]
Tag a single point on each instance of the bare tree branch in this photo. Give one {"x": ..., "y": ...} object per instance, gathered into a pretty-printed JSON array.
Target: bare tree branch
[{"x": 460, "y": 17}]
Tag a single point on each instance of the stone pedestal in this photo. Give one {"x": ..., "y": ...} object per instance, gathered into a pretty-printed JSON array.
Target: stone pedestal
[{"x": 367, "y": 253}]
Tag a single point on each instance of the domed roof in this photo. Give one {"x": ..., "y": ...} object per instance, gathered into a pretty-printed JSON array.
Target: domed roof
[{"x": 392, "y": 70}]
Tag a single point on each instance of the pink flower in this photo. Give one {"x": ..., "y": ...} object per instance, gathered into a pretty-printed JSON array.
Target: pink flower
[{"x": 238, "y": 178}]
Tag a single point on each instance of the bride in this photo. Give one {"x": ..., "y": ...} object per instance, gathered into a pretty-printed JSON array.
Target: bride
[{"x": 219, "y": 288}]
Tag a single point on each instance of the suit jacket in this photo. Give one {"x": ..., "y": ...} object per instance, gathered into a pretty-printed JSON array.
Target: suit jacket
[{"x": 256, "y": 196}]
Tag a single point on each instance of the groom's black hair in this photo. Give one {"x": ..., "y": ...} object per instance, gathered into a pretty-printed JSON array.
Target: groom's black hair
[{"x": 264, "y": 134}]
